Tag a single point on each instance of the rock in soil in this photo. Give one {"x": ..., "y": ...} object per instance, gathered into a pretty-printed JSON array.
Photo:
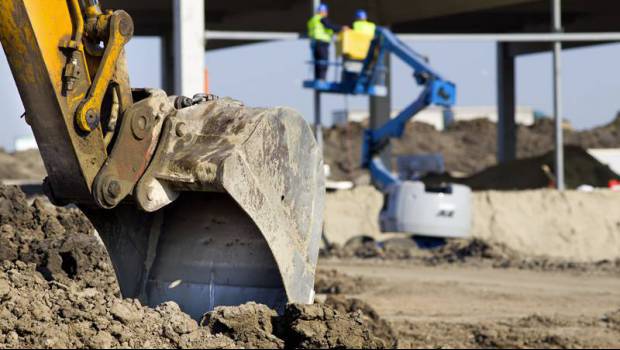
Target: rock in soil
[{"x": 321, "y": 326}]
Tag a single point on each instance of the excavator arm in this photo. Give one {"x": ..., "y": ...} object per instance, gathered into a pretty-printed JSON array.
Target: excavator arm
[{"x": 202, "y": 201}]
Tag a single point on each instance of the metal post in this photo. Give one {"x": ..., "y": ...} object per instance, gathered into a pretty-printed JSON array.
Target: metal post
[
  {"x": 557, "y": 98},
  {"x": 189, "y": 49},
  {"x": 506, "y": 125},
  {"x": 318, "y": 123}
]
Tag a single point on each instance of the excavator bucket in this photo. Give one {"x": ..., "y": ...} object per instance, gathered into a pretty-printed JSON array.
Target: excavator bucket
[
  {"x": 229, "y": 211},
  {"x": 211, "y": 204}
]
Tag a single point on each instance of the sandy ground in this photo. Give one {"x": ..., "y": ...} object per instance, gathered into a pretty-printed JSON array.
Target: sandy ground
[
  {"x": 573, "y": 225},
  {"x": 472, "y": 306}
]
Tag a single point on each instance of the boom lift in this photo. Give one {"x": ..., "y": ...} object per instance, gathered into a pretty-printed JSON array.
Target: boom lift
[
  {"x": 410, "y": 206},
  {"x": 202, "y": 201}
]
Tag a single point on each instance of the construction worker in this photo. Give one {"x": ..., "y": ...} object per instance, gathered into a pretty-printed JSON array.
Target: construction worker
[
  {"x": 363, "y": 25},
  {"x": 320, "y": 32}
]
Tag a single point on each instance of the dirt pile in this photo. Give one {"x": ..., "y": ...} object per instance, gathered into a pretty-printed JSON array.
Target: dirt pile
[
  {"x": 322, "y": 326},
  {"x": 377, "y": 326},
  {"x": 534, "y": 331},
  {"x": 25, "y": 165},
  {"x": 57, "y": 289},
  {"x": 39, "y": 313},
  {"x": 474, "y": 251},
  {"x": 60, "y": 242},
  {"x": 337, "y": 323},
  {"x": 467, "y": 146},
  {"x": 42, "y": 314},
  {"x": 528, "y": 173}
]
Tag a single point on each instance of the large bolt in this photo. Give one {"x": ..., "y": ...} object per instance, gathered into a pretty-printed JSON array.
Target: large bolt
[
  {"x": 92, "y": 119},
  {"x": 139, "y": 126},
  {"x": 181, "y": 130},
  {"x": 114, "y": 189},
  {"x": 126, "y": 26}
]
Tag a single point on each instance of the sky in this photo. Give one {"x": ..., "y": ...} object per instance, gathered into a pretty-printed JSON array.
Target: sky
[{"x": 271, "y": 74}]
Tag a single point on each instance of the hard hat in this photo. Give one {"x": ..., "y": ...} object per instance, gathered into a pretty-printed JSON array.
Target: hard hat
[
  {"x": 361, "y": 14},
  {"x": 322, "y": 8}
]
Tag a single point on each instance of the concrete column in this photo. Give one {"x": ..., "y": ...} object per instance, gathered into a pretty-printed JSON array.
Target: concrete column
[
  {"x": 189, "y": 47},
  {"x": 381, "y": 110},
  {"x": 506, "y": 124}
]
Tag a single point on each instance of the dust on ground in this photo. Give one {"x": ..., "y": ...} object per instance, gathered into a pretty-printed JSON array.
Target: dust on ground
[
  {"x": 468, "y": 147},
  {"x": 57, "y": 289}
]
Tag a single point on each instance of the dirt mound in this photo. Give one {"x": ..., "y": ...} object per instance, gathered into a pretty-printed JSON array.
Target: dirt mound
[
  {"x": 57, "y": 289},
  {"x": 25, "y": 165},
  {"x": 321, "y": 326},
  {"x": 250, "y": 325},
  {"x": 60, "y": 242},
  {"x": 334, "y": 282},
  {"x": 527, "y": 173},
  {"x": 42, "y": 314},
  {"x": 466, "y": 251},
  {"x": 468, "y": 147},
  {"x": 534, "y": 331},
  {"x": 301, "y": 326},
  {"x": 377, "y": 326}
]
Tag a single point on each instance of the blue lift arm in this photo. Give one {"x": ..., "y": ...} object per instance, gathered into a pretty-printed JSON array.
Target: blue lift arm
[
  {"x": 436, "y": 91},
  {"x": 370, "y": 81}
]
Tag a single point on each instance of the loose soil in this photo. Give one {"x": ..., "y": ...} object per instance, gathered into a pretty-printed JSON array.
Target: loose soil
[{"x": 57, "y": 289}]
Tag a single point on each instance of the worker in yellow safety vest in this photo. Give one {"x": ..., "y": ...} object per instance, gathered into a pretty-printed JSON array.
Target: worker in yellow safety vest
[
  {"x": 320, "y": 32},
  {"x": 363, "y": 25}
]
